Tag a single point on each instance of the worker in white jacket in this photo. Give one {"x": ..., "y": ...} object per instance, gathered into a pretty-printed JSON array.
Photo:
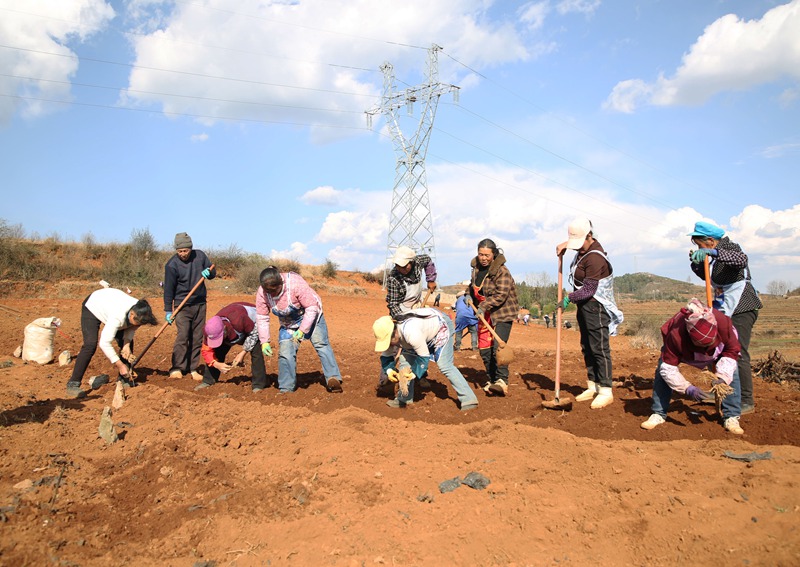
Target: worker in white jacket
[{"x": 121, "y": 315}]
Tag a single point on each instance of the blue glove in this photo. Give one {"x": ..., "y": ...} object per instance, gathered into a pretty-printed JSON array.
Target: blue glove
[
  {"x": 699, "y": 255},
  {"x": 298, "y": 336},
  {"x": 564, "y": 303},
  {"x": 168, "y": 317},
  {"x": 266, "y": 349},
  {"x": 695, "y": 393},
  {"x": 205, "y": 273}
]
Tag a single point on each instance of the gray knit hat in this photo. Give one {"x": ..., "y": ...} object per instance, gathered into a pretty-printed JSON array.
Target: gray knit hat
[{"x": 183, "y": 240}]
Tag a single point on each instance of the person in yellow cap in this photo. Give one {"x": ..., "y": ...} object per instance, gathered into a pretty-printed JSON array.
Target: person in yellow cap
[{"x": 408, "y": 346}]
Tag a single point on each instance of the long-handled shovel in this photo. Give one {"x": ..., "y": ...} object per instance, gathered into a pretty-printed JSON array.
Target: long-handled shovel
[
  {"x": 707, "y": 269},
  {"x": 424, "y": 301},
  {"x": 165, "y": 325},
  {"x": 557, "y": 403},
  {"x": 505, "y": 356}
]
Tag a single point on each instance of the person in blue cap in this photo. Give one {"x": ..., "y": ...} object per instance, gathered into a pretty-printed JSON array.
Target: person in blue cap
[{"x": 734, "y": 295}]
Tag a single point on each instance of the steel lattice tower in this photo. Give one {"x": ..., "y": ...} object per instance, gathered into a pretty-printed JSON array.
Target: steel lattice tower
[{"x": 410, "y": 220}]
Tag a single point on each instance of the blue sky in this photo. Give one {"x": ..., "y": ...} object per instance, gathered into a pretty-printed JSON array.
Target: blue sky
[{"x": 243, "y": 122}]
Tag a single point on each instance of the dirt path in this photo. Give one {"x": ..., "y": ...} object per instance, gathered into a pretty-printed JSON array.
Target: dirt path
[{"x": 312, "y": 478}]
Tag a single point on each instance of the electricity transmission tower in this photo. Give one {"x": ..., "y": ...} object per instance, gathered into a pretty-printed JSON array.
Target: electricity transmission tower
[{"x": 410, "y": 222}]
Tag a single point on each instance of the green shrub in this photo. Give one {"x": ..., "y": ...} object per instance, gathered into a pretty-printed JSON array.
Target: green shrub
[
  {"x": 142, "y": 241},
  {"x": 329, "y": 269},
  {"x": 246, "y": 279},
  {"x": 373, "y": 277}
]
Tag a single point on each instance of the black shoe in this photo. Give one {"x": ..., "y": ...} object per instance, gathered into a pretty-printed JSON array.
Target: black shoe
[
  {"x": 333, "y": 385},
  {"x": 74, "y": 390},
  {"x": 424, "y": 384},
  {"x": 201, "y": 386},
  {"x": 748, "y": 408}
]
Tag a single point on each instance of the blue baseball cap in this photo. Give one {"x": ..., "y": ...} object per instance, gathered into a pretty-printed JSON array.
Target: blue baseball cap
[{"x": 707, "y": 230}]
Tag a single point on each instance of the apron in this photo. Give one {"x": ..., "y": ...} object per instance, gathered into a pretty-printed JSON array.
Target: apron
[
  {"x": 413, "y": 296},
  {"x": 292, "y": 316},
  {"x": 727, "y": 297},
  {"x": 604, "y": 294},
  {"x": 485, "y": 338}
]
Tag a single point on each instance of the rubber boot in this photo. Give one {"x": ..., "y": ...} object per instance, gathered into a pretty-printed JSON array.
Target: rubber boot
[
  {"x": 604, "y": 398},
  {"x": 588, "y": 393}
]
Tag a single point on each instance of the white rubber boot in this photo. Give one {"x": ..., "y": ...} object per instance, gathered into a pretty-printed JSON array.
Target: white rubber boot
[
  {"x": 588, "y": 393},
  {"x": 604, "y": 398}
]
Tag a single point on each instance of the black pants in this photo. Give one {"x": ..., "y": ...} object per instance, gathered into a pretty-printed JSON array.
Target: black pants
[
  {"x": 494, "y": 371},
  {"x": 90, "y": 328},
  {"x": 744, "y": 327},
  {"x": 593, "y": 321},
  {"x": 211, "y": 375},
  {"x": 189, "y": 323}
]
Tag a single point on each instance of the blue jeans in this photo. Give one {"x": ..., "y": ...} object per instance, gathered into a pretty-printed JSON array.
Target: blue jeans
[
  {"x": 473, "y": 331},
  {"x": 466, "y": 396},
  {"x": 731, "y": 405},
  {"x": 287, "y": 357}
]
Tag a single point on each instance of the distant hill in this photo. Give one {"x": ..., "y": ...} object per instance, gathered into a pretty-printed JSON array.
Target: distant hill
[{"x": 646, "y": 286}]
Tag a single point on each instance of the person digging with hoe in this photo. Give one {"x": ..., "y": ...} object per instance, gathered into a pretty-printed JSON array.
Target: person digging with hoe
[
  {"x": 493, "y": 293},
  {"x": 121, "y": 315},
  {"x": 704, "y": 338},
  {"x": 592, "y": 278},
  {"x": 734, "y": 294},
  {"x": 181, "y": 272}
]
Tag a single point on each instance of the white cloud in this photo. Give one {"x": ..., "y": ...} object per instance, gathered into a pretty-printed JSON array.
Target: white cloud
[
  {"x": 534, "y": 14},
  {"x": 37, "y": 41},
  {"x": 199, "y": 137},
  {"x": 732, "y": 54},
  {"x": 763, "y": 231},
  {"x": 360, "y": 230},
  {"x": 298, "y": 63},
  {"x": 780, "y": 150},
  {"x": 324, "y": 195},
  {"x": 587, "y": 7},
  {"x": 297, "y": 251},
  {"x": 532, "y": 219}
]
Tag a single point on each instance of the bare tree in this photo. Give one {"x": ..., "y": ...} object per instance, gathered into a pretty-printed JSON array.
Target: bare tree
[{"x": 778, "y": 287}]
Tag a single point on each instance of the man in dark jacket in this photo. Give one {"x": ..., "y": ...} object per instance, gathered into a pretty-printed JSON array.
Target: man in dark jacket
[{"x": 181, "y": 273}]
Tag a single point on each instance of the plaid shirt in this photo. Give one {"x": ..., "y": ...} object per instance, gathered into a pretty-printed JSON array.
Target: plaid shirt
[
  {"x": 499, "y": 289},
  {"x": 396, "y": 283}
]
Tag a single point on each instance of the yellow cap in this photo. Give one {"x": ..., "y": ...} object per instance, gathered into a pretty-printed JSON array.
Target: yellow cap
[{"x": 383, "y": 329}]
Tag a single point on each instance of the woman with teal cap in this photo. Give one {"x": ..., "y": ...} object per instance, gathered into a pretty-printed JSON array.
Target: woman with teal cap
[{"x": 734, "y": 295}]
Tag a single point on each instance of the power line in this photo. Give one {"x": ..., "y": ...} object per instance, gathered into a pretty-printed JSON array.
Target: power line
[
  {"x": 184, "y": 114},
  {"x": 127, "y": 90},
  {"x": 189, "y": 73},
  {"x": 572, "y": 126}
]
